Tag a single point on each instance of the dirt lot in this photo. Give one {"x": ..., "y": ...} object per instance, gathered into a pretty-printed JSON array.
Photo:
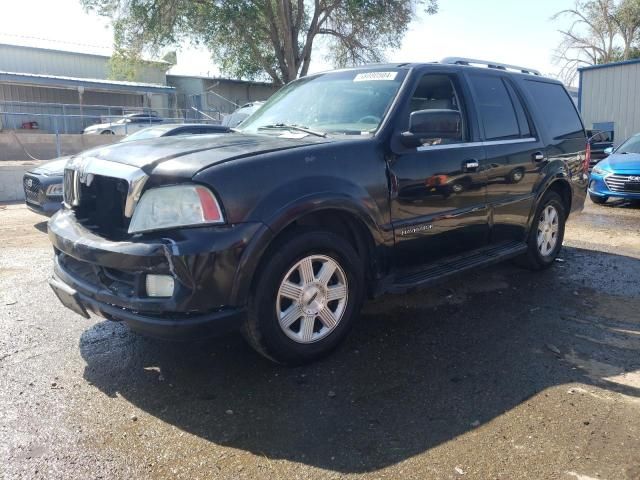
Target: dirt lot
[{"x": 500, "y": 374}]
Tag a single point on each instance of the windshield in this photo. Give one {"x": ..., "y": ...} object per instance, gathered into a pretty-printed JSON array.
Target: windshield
[
  {"x": 630, "y": 146},
  {"x": 145, "y": 133},
  {"x": 349, "y": 102}
]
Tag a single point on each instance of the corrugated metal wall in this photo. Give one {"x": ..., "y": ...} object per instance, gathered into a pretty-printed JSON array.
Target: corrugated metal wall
[
  {"x": 19, "y": 59},
  {"x": 612, "y": 94}
]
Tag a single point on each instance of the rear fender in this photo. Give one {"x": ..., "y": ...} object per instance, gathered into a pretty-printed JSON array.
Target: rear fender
[{"x": 558, "y": 174}]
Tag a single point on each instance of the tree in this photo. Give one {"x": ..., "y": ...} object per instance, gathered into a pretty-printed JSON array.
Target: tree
[
  {"x": 258, "y": 38},
  {"x": 601, "y": 31},
  {"x": 627, "y": 19}
]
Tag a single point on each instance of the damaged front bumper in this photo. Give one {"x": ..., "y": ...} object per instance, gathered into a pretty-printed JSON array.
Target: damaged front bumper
[{"x": 105, "y": 277}]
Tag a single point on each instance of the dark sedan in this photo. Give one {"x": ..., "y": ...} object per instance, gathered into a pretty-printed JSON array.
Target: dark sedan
[{"x": 43, "y": 185}]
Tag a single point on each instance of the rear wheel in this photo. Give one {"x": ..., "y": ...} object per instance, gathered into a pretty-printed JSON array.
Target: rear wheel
[
  {"x": 107, "y": 132},
  {"x": 546, "y": 234},
  {"x": 598, "y": 200},
  {"x": 306, "y": 297}
]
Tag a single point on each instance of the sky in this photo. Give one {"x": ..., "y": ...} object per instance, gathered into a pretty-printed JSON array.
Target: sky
[{"x": 509, "y": 31}]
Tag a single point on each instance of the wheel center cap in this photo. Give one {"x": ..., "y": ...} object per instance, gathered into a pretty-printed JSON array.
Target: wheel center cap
[{"x": 313, "y": 299}]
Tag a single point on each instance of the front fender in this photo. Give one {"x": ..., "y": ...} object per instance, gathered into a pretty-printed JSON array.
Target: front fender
[{"x": 289, "y": 213}]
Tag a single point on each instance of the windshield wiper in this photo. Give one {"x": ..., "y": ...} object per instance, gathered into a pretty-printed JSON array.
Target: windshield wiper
[{"x": 292, "y": 126}]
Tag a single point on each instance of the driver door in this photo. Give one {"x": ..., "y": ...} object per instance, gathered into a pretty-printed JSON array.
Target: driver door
[{"x": 438, "y": 194}]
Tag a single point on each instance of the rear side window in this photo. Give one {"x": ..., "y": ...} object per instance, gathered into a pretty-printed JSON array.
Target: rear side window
[
  {"x": 557, "y": 109},
  {"x": 498, "y": 108}
]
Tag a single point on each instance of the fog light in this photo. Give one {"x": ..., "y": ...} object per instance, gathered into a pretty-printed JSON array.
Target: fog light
[{"x": 159, "y": 285}]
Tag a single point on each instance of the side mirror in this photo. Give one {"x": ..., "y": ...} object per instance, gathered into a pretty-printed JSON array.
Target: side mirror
[
  {"x": 608, "y": 150},
  {"x": 427, "y": 125}
]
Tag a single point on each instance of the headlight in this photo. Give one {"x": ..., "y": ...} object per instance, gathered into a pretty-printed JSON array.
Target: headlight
[
  {"x": 175, "y": 206},
  {"x": 54, "y": 190},
  {"x": 599, "y": 171}
]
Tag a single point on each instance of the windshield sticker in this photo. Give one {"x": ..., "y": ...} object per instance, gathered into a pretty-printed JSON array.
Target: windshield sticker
[{"x": 375, "y": 76}]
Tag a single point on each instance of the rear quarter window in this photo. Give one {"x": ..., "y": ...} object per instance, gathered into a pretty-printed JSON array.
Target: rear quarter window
[{"x": 556, "y": 108}]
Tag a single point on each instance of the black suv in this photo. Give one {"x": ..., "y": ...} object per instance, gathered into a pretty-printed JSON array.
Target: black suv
[{"x": 343, "y": 185}]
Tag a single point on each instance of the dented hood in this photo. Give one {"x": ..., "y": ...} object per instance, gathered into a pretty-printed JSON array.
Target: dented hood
[{"x": 186, "y": 155}]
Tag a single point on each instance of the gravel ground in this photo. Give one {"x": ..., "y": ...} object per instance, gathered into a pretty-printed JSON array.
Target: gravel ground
[{"x": 502, "y": 373}]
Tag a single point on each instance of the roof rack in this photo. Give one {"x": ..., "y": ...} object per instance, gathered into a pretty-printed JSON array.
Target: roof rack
[{"x": 488, "y": 64}]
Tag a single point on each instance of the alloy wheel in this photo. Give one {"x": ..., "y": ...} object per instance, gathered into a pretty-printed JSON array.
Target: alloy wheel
[
  {"x": 312, "y": 299},
  {"x": 548, "y": 227}
]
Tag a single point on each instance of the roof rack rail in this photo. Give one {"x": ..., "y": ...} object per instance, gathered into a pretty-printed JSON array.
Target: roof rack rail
[{"x": 496, "y": 65}]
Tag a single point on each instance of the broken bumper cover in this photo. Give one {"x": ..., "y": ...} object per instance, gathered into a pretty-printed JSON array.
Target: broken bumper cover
[{"x": 93, "y": 274}]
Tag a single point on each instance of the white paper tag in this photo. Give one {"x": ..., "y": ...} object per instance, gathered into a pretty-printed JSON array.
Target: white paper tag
[
  {"x": 293, "y": 135},
  {"x": 375, "y": 76}
]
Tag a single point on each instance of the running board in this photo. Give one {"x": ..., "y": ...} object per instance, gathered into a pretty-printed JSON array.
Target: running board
[{"x": 403, "y": 281}]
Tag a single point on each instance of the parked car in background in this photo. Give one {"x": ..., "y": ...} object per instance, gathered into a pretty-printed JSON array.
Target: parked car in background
[
  {"x": 599, "y": 141},
  {"x": 238, "y": 116},
  {"x": 618, "y": 175},
  {"x": 128, "y": 124},
  {"x": 43, "y": 185},
  {"x": 345, "y": 184},
  {"x": 175, "y": 129}
]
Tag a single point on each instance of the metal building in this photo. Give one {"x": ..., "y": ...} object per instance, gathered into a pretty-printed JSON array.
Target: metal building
[
  {"x": 609, "y": 98},
  {"x": 65, "y": 91},
  {"x": 223, "y": 95},
  {"x": 44, "y": 86}
]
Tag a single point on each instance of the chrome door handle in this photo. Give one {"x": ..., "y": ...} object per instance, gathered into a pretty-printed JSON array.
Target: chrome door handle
[
  {"x": 538, "y": 156},
  {"x": 470, "y": 165}
]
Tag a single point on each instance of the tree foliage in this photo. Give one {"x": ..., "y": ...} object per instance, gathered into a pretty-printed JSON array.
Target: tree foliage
[
  {"x": 258, "y": 38},
  {"x": 601, "y": 31}
]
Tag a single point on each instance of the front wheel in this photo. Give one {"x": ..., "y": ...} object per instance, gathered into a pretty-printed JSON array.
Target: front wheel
[
  {"x": 546, "y": 234},
  {"x": 306, "y": 297}
]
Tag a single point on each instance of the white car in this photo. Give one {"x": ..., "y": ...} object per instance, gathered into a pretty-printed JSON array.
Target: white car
[
  {"x": 124, "y": 126},
  {"x": 241, "y": 114}
]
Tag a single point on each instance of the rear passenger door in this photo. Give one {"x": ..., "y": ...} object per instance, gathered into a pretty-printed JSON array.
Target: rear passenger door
[
  {"x": 514, "y": 153},
  {"x": 560, "y": 125}
]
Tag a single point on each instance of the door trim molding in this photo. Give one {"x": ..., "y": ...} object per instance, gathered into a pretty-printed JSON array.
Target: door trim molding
[{"x": 426, "y": 148}]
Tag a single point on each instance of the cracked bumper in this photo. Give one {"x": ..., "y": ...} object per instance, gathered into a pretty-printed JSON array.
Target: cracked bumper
[{"x": 108, "y": 277}]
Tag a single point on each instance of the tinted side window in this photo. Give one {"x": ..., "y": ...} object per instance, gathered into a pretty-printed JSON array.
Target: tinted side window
[
  {"x": 438, "y": 92},
  {"x": 495, "y": 107},
  {"x": 556, "y": 107}
]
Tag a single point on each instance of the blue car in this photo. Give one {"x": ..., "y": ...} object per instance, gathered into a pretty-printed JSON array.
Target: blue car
[{"x": 618, "y": 175}]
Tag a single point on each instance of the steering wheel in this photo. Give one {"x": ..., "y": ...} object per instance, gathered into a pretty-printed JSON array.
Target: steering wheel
[{"x": 369, "y": 119}]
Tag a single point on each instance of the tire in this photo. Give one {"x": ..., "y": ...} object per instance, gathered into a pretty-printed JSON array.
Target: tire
[
  {"x": 598, "y": 200},
  {"x": 310, "y": 333},
  {"x": 107, "y": 132},
  {"x": 539, "y": 257}
]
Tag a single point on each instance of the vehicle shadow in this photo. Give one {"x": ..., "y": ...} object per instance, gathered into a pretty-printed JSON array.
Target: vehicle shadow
[
  {"x": 417, "y": 371},
  {"x": 622, "y": 203},
  {"x": 41, "y": 226}
]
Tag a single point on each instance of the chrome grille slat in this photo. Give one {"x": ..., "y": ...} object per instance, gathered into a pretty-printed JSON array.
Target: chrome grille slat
[
  {"x": 32, "y": 190},
  {"x": 621, "y": 183}
]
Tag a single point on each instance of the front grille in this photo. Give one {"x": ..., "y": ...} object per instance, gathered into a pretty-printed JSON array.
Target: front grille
[
  {"x": 67, "y": 186},
  {"x": 32, "y": 191},
  {"x": 621, "y": 183},
  {"x": 101, "y": 206}
]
